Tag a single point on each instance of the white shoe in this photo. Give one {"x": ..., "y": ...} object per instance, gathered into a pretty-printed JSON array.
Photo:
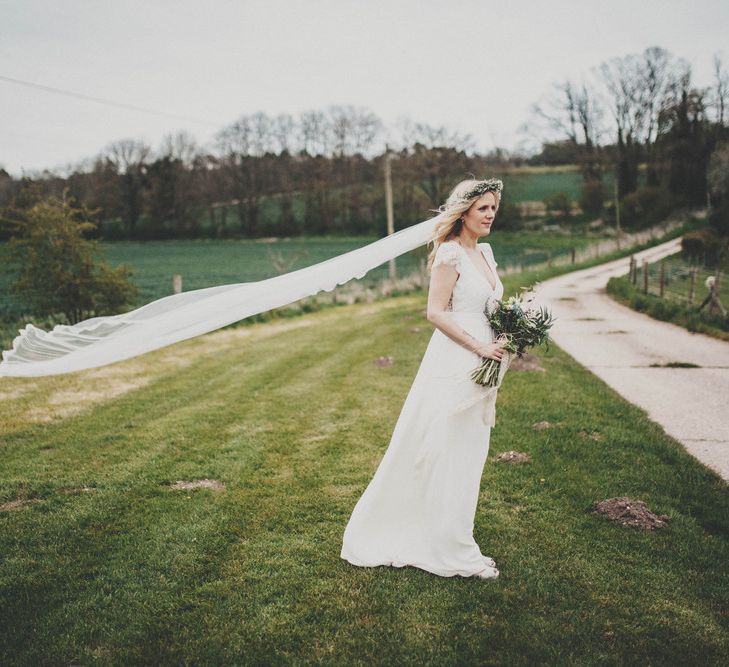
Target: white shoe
[{"x": 488, "y": 573}]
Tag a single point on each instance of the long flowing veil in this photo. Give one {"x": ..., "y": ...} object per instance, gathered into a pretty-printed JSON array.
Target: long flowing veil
[{"x": 104, "y": 340}]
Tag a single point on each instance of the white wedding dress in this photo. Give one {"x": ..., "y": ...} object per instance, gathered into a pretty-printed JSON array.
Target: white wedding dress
[{"x": 420, "y": 506}]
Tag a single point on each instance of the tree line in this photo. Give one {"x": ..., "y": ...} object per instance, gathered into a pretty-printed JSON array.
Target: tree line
[
  {"x": 321, "y": 172},
  {"x": 643, "y": 109}
]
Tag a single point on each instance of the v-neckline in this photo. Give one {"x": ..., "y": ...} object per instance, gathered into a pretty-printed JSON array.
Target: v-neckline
[{"x": 481, "y": 273}]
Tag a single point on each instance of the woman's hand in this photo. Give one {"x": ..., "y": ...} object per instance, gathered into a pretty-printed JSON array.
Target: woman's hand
[{"x": 491, "y": 350}]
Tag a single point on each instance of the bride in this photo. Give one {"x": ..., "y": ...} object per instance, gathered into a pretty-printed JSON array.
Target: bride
[{"x": 420, "y": 506}]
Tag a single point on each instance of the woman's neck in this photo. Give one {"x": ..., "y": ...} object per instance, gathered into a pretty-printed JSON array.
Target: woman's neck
[{"x": 467, "y": 240}]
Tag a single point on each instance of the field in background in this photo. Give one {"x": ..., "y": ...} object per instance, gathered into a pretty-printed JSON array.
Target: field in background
[{"x": 206, "y": 263}]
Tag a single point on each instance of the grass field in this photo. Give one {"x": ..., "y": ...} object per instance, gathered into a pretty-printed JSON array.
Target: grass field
[
  {"x": 535, "y": 184},
  {"x": 106, "y": 564},
  {"x": 206, "y": 263}
]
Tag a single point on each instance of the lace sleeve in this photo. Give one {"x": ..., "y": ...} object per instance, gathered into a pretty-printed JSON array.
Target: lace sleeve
[
  {"x": 490, "y": 252},
  {"x": 448, "y": 253}
]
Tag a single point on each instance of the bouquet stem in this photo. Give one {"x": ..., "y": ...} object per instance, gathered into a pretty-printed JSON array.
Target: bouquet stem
[{"x": 487, "y": 374}]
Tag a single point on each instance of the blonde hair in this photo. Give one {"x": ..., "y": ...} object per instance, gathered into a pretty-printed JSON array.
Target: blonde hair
[{"x": 455, "y": 206}]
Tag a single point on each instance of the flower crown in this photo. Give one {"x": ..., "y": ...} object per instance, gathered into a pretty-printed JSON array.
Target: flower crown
[{"x": 482, "y": 187}]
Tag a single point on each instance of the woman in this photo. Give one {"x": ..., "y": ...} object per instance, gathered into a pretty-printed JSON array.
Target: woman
[{"x": 420, "y": 506}]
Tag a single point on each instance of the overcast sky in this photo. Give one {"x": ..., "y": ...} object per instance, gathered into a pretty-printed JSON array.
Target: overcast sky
[{"x": 475, "y": 66}]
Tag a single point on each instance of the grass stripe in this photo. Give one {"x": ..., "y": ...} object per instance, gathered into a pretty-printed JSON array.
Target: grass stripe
[{"x": 295, "y": 421}]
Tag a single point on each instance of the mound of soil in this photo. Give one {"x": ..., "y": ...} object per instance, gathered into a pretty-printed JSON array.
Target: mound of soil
[
  {"x": 540, "y": 426},
  {"x": 384, "y": 362},
  {"x": 528, "y": 362},
  {"x": 214, "y": 484},
  {"x": 514, "y": 457},
  {"x": 630, "y": 513}
]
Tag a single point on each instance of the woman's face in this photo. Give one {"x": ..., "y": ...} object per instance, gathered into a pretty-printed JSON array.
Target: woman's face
[{"x": 479, "y": 218}]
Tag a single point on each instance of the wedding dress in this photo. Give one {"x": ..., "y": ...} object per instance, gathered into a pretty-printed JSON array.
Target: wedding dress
[{"x": 419, "y": 507}]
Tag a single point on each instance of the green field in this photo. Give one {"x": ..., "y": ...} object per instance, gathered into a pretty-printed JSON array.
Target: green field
[
  {"x": 533, "y": 184},
  {"x": 205, "y": 263},
  {"x": 106, "y": 564}
]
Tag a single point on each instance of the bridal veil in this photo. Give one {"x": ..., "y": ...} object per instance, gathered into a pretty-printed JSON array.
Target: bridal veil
[{"x": 104, "y": 340}]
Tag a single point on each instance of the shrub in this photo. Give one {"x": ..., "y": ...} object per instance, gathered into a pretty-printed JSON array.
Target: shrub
[
  {"x": 592, "y": 197},
  {"x": 718, "y": 182},
  {"x": 508, "y": 216},
  {"x": 558, "y": 203},
  {"x": 645, "y": 207},
  {"x": 704, "y": 246},
  {"x": 59, "y": 270}
]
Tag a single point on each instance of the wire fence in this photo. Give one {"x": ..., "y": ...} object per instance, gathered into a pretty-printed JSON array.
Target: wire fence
[{"x": 691, "y": 283}]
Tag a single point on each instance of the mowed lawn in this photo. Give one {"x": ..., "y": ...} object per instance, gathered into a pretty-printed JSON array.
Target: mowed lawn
[{"x": 107, "y": 564}]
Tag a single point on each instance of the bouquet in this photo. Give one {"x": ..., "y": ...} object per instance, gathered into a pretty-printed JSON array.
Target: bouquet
[{"x": 520, "y": 326}]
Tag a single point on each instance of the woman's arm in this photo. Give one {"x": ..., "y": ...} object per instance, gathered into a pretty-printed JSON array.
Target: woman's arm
[{"x": 442, "y": 281}]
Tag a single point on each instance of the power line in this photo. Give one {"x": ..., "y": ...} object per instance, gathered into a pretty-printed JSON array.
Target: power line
[{"x": 101, "y": 100}]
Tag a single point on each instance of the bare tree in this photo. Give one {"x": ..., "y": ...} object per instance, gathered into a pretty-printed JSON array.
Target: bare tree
[
  {"x": 721, "y": 90},
  {"x": 180, "y": 146},
  {"x": 283, "y": 130},
  {"x": 639, "y": 87},
  {"x": 659, "y": 75},
  {"x": 367, "y": 128},
  {"x": 129, "y": 156},
  {"x": 341, "y": 122},
  {"x": 574, "y": 111},
  {"x": 210, "y": 186},
  {"x": 239, "y": 143},
  {"x": 262, "y": 134},
  {"x": 315, "y": 133}
]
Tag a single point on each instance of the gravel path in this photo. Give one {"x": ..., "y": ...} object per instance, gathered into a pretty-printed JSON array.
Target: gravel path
[{"x": 620, "y": 346}]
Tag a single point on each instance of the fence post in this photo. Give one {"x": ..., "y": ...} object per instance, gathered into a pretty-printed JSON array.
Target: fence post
[
  {"x": 573, "y": 255},
  {"x": 663, "y": 277},
  {"x": 645, "y": 276},
  {"x": 692, "y": 286},
  {"x": 631, "y": 270},
  {"x": 549, "y": 259},
  {"x": 177, "y": 283}
]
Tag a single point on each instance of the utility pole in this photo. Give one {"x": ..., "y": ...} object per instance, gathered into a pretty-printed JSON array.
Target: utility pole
[
  {"x": 388, "y": 206},
  {"x": 617, "y": 210}
]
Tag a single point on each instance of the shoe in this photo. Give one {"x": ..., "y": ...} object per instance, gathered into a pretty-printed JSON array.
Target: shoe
[{"x": 488, "y": 573}]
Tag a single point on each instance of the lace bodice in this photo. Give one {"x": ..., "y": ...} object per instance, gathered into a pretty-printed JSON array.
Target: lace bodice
[{"x": 472, "y": 289}]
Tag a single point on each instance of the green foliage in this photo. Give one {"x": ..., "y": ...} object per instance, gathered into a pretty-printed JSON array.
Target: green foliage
[
  {"x": 558, "y": 203},
  {"x": 703, "y": 245},
  {"x": 718, "y": 181},
  {"x": 509, "y": 216},
  {"x": 645, "y": 207},
  {"x": 58, "y": 270},
  {"x": 592, "y": 197}
]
